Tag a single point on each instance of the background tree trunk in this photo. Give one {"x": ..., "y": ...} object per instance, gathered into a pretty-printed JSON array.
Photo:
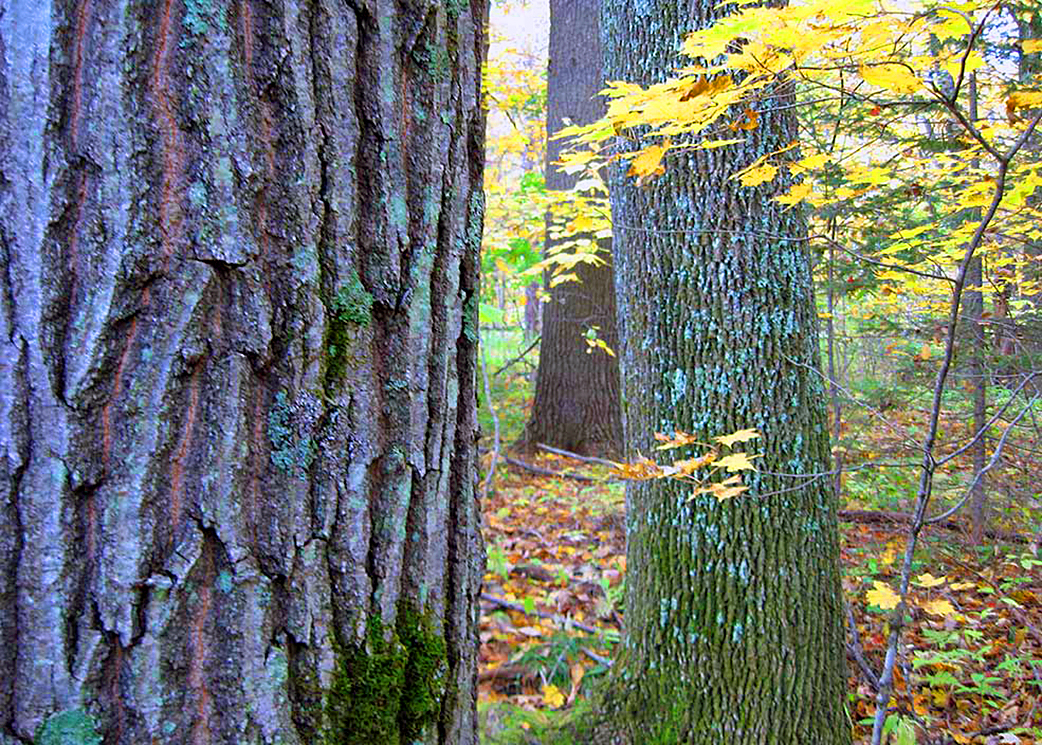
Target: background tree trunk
[
  {"x": 238, "y": 318},
  {"x": 577, "y": 405},
  {"x": 733, "y": 610}
]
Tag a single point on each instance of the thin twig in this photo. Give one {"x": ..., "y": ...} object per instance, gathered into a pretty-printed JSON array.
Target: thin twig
[
  {"x": 929, "y": 464},
  {"x": 520, "y": 357},
  {"x": 855, "y": 649},
  {"x": 998, "y": 415},
  {"x": 991, "y": 463}
]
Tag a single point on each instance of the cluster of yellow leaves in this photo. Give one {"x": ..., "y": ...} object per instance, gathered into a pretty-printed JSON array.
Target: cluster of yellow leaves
[
  {"x": 882, "y": 65},
  {"x": 700, "y": 469},
  {"x": 579, "y": 218}
]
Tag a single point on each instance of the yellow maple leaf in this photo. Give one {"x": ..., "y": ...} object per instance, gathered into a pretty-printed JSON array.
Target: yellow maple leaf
[
  {"x": 640, "y": 470},
  {"x": 928, "y": 580},
  {"x": 742, "y": 435},
  {"x": 677, "y": 440},
  {"x": 552, "y": 696},
  {"x": 690, "y": 465},
  {"x": 758, "y": 175},
  {"x": 809, "y": 163},
  {"x": 1024, "y": 99},
  {"x": 963, "y": 586},
  {"x": 938, "y": 607},
  {"x": 1031, "y": 45},
  {"x": 648, "y": 162},
  {"x": 954, "y": 26},
  {"x": 895, "y": 77},
  {"x": 883, "y": 596},
  {"x": 726, "y": 489},
  {"x": 796, "y": 194},
  {"x": 735, "y": 462}
]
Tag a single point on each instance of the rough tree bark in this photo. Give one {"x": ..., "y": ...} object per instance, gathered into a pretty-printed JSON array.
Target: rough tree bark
[
  {"x": 577, "y": 400},
  {"x": 237, "y": 370},
  {"x": 733, "y": 610}
]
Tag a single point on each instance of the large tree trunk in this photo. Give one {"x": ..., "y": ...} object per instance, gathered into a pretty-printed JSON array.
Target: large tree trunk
[
  {"x": 733, "y": 609},
  {"x": 237, "y": 365},
  {"x": 577, "y": 400}
]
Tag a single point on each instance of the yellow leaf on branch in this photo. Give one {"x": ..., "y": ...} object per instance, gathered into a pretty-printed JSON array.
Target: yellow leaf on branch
[
  {"x": 758, "y": 175},
  {"x": 892, "y": 76},
  {"x": 796, "y": 194},
  {"x": 689, "y": 465},
  {"x": 727, "y": 489},
  {"x": 742, "y": 435},
  {"x": 675, "y": 440},
  {"x": 648, "y": 162},
  {"x": 735, "y": 462}
]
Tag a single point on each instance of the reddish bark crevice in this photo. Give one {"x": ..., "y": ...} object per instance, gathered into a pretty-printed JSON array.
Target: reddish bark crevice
[
  {"x": 117, "y": 384},
  {"x": 82, "y": 19},
  {"x": 178, "y": 466},
  {"x": 199, "y": 647},
  {"x": 173, "y": 142}
]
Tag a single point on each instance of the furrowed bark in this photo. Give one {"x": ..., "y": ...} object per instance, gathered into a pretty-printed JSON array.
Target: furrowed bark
[{"x": 237, "y": 402}]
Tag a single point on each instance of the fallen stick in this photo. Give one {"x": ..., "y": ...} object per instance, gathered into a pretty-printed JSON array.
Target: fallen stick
[
  {"x": 546, "y": 471},
  {"x": 576, "y": 456},
  {"x": 555, "y": 617},
  {"x": 879, "y": 516}
]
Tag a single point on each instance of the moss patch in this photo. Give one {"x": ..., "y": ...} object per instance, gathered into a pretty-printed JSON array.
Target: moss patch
[
  {"x": 350, "y": 309},
  {"x": 387, "y": 691},
  {"x": 454, "y": 8},
  {"x": 71, "y": 727}
]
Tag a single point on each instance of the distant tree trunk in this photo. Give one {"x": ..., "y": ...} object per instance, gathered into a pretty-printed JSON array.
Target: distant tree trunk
[
  {"x": 238, "y": 316},
  {"x": 533, "y": 311},
  {"x": 577, "y": 404},
  {"x": 734, "y": 631}
]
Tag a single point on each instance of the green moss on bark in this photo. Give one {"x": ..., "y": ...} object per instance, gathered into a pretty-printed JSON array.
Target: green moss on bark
[
  {"x": 349, "y": 310},
  {"x": 70, "y": 727},
  {"x": 389, "y": 689}
]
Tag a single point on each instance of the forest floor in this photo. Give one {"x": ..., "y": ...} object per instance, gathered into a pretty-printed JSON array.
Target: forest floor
[{"x": 552, "y": 613}]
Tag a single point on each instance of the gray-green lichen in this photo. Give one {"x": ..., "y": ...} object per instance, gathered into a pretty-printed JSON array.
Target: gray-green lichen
[{"x": 290, "y": 454}]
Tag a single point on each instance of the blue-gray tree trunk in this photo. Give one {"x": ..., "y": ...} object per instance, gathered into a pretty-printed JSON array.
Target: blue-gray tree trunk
[
  {"x": 734, "y": 629},
  {"x": 237, "y": 361}
]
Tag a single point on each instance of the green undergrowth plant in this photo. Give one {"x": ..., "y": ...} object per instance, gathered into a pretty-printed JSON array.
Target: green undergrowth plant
[{"x": 503, "y": 723}]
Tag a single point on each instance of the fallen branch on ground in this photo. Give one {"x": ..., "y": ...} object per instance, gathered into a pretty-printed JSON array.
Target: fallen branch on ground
[
  {"x": 879, "y": 516},
  {"x": 547, "y": 471},
  {"x": 555, "y": 617}
]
